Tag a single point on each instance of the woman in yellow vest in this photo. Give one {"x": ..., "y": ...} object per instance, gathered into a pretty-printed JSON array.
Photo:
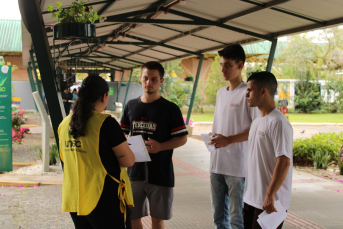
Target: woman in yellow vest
[{"x": 96, "y": 189}]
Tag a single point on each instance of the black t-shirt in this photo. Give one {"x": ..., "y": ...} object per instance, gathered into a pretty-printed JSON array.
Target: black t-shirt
[
  {"x": 111, "y": 135},
  {"x": 160, "y": 120}
]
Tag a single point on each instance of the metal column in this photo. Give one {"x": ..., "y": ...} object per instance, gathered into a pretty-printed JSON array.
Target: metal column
[
  {"x": 271, "y": 55},
  {"x": 39, "y": 87},
  {"x": 119, "y": 83},
  {"x": 127, "y": 89},
  {"x": 32, "y": 18},
  {"x": 32, "y": 83},
  {"x": 194, "y": 88}
]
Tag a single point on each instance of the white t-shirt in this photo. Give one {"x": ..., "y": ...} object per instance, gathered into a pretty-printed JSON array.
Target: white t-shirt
[
  {"x": 232, "y": 116},
  {"x": 270, "y": 137}
]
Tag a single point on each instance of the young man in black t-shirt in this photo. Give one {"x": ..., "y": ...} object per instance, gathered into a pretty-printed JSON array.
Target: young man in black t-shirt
[{"x": 162, "y": 127}]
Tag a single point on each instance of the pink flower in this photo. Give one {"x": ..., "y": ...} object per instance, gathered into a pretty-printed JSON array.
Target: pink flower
[
  {"x": 35, "y": 186},
  {"x": 20, "y": 186}
]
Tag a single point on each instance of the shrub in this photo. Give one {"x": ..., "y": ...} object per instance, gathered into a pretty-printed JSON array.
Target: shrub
[
  {"x": 53, "y": 154},
  {"x": 18, "y": 119},
  {"x": 320, "y": 149}
]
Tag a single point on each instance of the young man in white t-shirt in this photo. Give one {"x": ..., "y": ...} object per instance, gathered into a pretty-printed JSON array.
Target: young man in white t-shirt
[
  {"x": 270, "y": 155},
  {"x": 232, "y": 119}
]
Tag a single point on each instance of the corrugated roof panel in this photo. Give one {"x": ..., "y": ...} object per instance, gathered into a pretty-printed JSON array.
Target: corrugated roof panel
[
  {"x": 10, "y": 35},
  {"x": 324, "y": 10},
  {"x": 267, "y": 21},
  {"x": 151, "y": 32},
  {"x": 192, "y": 43},
  {"x": 221, "y": 35},
  {"x": 156, "y": 54}
]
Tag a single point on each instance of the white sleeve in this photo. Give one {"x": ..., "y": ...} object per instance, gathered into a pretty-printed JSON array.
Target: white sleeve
[{"x": 282, "y": 138}]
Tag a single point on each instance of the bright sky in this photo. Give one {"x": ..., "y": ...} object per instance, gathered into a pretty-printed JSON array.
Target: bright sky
[{"x": 9, "y": 9}]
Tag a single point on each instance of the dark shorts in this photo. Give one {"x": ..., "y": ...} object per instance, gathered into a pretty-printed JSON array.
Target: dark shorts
[
  {"x": 159, "y": 198},
  {"x": 107, "y": 213},
  {"x": 250, "y": 215}
]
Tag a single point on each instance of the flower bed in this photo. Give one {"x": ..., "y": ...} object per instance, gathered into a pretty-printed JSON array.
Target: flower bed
[{"x": 18, "y": 118}]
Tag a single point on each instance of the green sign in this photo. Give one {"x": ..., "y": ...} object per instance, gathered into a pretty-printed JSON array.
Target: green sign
[
  {"x": 5, "y": 119},
  {"x": 111, "y": 91}
]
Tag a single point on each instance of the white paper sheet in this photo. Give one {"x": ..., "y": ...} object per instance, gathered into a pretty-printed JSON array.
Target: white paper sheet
[
  {"x": 273, "y": 220},
  {"x": 207, "y": 140},
  {"x": 138, "y": 147}
]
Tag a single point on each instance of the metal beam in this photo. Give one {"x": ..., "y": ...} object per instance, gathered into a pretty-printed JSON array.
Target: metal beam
[
  {"x": 106, "y": 6},
  {"x": 222, "y": 20},
  {"x": 194, "y": 89},
  {"x": 32, "y": 17},
  {"x": 229, "y": 27},
  {"x": 286, "y": 12},
  {"x": 112, "y": 65},
  {"x": 96, "y": 41},
  {"x": 215, "y": 48},
  {"x": 161, "y": 21},
  {"x": 132, "y": 14},
  {"x": 49, "y": 29},
  {"x": 179, "y": 31},
  {"x": 254, "y": 9},
  {"x": 120, "y": 57},
  {"x": 133, "y": 53},
  {"x": 127, "y": 89},
  {"x": 164, "y": 45},
  {"x": 271, "y": 55}
]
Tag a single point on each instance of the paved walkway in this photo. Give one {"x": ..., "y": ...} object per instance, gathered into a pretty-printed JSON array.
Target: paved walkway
[{"x": 316, "y": 201}]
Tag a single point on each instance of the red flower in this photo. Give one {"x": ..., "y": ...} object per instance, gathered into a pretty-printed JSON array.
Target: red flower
[{"x": 87, "y": 9}]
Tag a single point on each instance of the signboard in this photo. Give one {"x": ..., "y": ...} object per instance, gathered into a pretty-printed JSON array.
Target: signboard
[
  {"x": 282, "y": 103},
  {"x": 5, "y": 119},
  {"x": 111, "y": 91},
  {"x": 16, "y": 101}
]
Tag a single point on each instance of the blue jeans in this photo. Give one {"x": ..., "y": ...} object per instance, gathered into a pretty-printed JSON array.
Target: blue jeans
[{"x": 227, "y": 201}]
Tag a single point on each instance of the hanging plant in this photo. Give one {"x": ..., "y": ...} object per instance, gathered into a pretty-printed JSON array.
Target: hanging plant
[
  {"x": 76, "y": 13},
  {"x": 77, "y": 21}
]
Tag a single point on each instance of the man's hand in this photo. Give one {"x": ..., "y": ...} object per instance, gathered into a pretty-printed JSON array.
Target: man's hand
[
  {"x": 268, "y": 204},
  {"x": 154, "y": 146},
  {"x": 220, "y": 141}
]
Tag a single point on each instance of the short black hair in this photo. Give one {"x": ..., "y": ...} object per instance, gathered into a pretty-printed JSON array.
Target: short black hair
[
  {"x": 264, "y": 79},
  {"x": 234, "y": 52},
  {"x": 153, "y": 65}
]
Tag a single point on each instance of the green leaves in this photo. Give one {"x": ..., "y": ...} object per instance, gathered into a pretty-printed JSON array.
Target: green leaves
[
  {"x": 320, "y": 149},
  {"x": 50, "y": 8},
  {"x": 76, "y": 12}
]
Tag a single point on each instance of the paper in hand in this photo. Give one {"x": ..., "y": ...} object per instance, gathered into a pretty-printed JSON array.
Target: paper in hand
[
  {"x": 272, "y": 220},
  {"x": 138, "y": 147},
  {"x": 207, "y": 140}
]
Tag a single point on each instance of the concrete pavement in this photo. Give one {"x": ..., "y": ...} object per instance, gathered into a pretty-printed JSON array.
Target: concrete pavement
[{"x": 316, "y": 201}]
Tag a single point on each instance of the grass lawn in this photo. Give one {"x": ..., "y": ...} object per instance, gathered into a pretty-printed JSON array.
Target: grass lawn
[{"x": 207, "y": 116}]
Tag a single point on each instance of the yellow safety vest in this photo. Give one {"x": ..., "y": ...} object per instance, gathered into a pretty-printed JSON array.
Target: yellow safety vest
[{"x": 84, "y": 174}]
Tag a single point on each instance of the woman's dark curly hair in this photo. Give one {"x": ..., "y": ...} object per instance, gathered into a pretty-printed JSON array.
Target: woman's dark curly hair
[{"x": 92, "y": 88}]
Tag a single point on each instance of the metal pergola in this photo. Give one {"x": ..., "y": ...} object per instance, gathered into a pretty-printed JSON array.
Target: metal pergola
[{"x": 137, "y": 31}]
